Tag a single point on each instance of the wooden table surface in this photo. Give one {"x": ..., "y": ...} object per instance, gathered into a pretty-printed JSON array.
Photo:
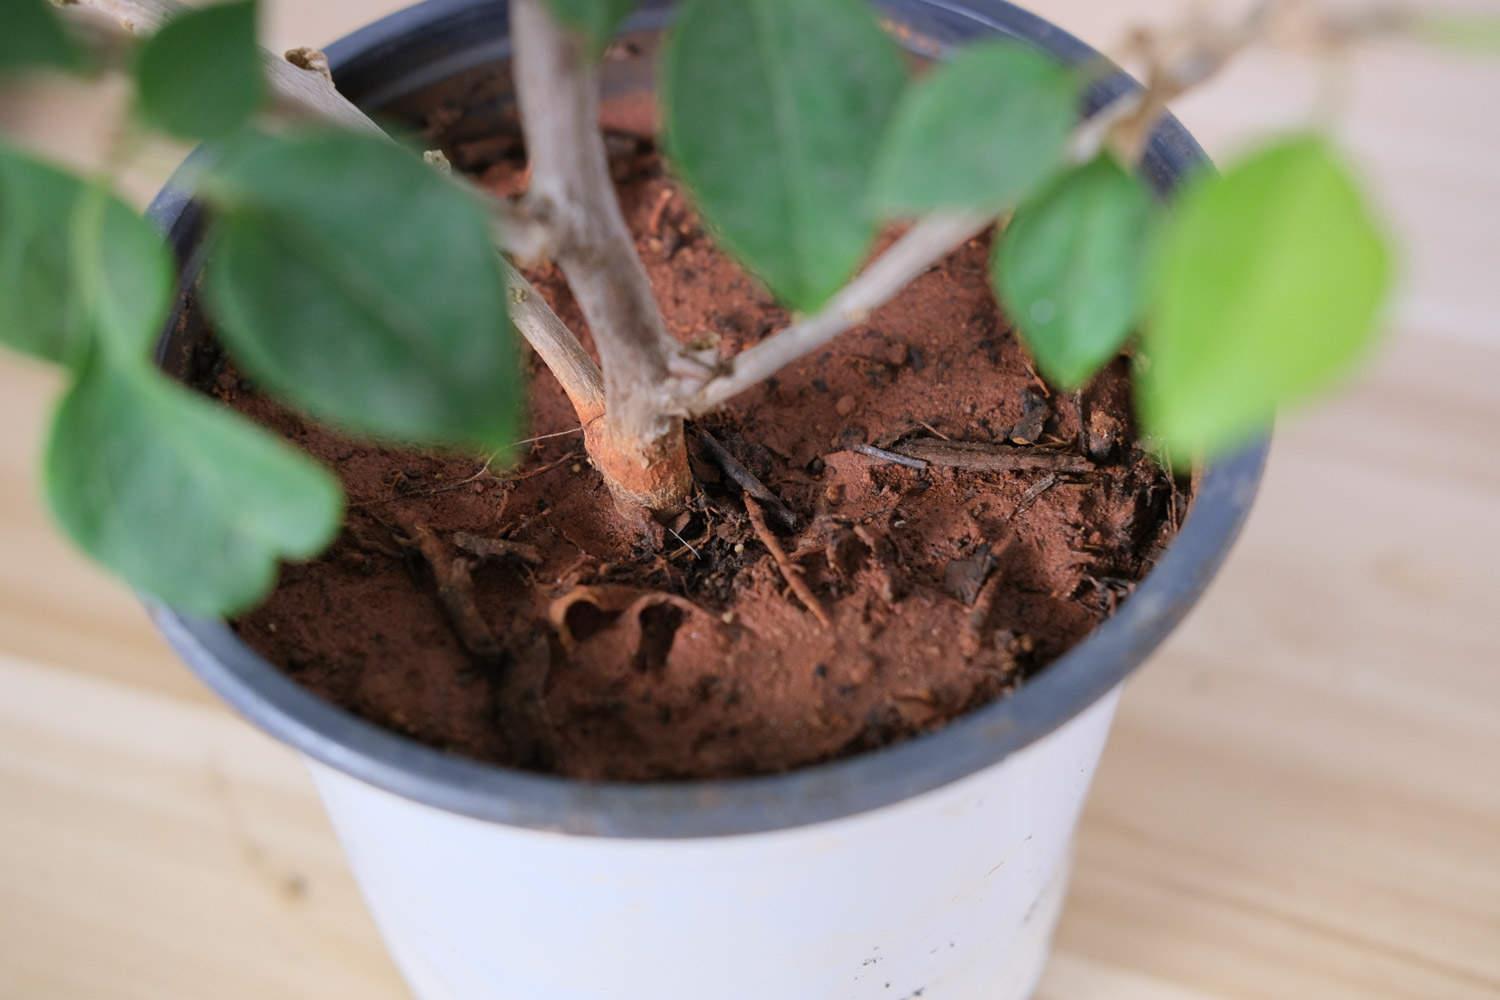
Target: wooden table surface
[{"x": 1301, "y": 797}]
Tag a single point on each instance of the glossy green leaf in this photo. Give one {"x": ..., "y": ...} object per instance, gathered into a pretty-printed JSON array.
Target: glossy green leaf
[
  {"x": 200, "y": 76},
  {"x": 1268, "y": 286},
  {"x": 979, "y": 132},
  {"x": 1071, "y": 269},
  {"x": 596, "y": 19},
  {"x": 185, "y": 499},
  {"x": 774, "y": 110},
  {"x": 34, "y": 38},
  {"x": 363, "y": 286},
  {"x": 77, "y": 261}
]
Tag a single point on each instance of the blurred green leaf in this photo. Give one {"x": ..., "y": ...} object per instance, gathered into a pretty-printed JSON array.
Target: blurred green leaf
[
  {"x": 1471, "y": 32},
  {"x": 185, "y": 499},
  {"x": 78, "y": 262},
  {"x": 124, "y": 274},
  {"x": 363, "y": 286},
  {"x": 200, "y": 76},
  {"x": 1267, "y": 288},
  {"x": 1071, "y": 268},
  {"x": 774, "y": 110},
  {"x": 979, "y": 132},
  {"x": 34, "y": 38},
  {"x": 597, "y": 19}
]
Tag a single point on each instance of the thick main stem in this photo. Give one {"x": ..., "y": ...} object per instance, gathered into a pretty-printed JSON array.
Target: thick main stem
[{"x": 641, "y": 451}]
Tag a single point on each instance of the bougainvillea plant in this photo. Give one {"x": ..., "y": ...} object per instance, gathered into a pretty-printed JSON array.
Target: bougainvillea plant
[{"x": 799, "y": 133}]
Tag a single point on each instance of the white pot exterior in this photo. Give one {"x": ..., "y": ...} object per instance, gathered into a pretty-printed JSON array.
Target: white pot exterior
[{"x": 951, "y": 895}]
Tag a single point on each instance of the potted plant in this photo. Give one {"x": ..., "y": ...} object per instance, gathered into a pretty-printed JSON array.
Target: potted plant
[{"x": 857, "y": 695}]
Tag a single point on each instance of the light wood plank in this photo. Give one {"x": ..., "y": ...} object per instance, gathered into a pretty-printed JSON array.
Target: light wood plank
[{"x": 1300, "y": 798}]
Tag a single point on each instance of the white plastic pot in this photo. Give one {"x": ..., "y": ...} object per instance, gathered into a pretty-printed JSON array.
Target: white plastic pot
[
  {"x": 932, "y": 868},
  {"x": 950, "y": 894}
]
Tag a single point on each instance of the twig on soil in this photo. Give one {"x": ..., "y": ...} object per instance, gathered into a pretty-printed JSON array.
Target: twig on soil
[
  {"x": 496, "y": 548},
  {"x": 979, "y": 616},
  {"x": 687, "y": 544},
  {"x": 484, "y": 470},
  {"x": 745, "y": 479},
  {"x": 1034, "y": 491},
  {"x": 789, "y": 570},
  {"x": 653, "y": 224},
  {"x": 937, "y": 433},
  {"x": 870, "y": 451},
  {"x": 981, "y": 456},
  {"x": 455, "y": 588}
]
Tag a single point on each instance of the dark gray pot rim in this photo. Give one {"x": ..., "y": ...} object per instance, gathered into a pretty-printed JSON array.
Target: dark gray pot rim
[{"x": 430, "y": 42}]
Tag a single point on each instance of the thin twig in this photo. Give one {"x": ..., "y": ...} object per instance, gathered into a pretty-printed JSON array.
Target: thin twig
[
  {"x": 789, "y": 570},
  {"x": 926, "y": 426},
  {"x": 548, "y": 437},
  {"x": 455, "y": 588},
  {"x": 1034, "y": 491},
  {"x": 890, "y": 456},
  {"x": 685, "y": 542},
  {"x": 497, "y": 548},
  {"x": 745, "y": 479},
  {"x": 982, "y": 456}
]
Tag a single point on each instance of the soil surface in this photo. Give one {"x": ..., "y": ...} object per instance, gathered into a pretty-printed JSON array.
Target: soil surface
[{"x": 515, "y": 616}]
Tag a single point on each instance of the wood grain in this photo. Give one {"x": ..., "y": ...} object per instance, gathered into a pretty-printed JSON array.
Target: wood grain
[{"x": 1300, "y": 798}]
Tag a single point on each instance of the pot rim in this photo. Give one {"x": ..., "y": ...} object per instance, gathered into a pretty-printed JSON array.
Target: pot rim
[{"x": 438, "y": 38}]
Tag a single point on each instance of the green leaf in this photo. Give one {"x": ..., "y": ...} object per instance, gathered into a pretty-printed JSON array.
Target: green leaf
[
  {"x": 34, "y": 38},
  {"x": 77, "y": 262},
  {"x": 185, "y": 499},
  {"x": 200, "y": 76},
  {"x": 597, "y": 19},
  {"x": 1071, "y": 268},
  {"x": 1267, "y": 287},
  {"x": 362, "y": 285},
  {"x": 1469, "y": 32},
  {"x": 979, "y": 132},
  {"x": 124, "y": 274},
  {"x": 774, "y": 109}
]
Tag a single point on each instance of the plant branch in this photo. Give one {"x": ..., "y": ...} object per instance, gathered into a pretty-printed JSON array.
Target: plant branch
[
  {"x": 926, "y": 243},
  {"x": 557, "y": 88},
  {"x": 1176, "y": 61},
  {"x": 559, "y": 350},
  {"x": 302, "y": 89}
]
